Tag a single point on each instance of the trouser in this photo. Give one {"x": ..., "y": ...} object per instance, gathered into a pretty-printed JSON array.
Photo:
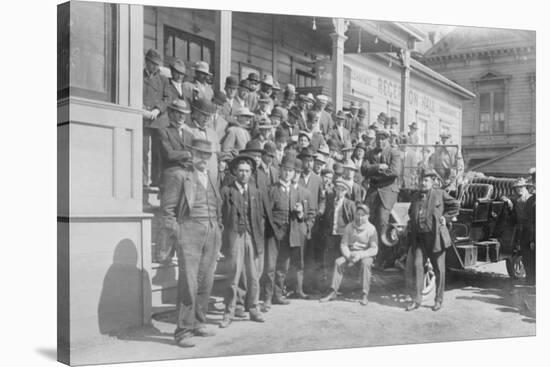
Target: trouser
[
  {"x": 340, "y": 267},
  {"x": 312, "y": 259},
  {"x": 289, "y": 256},
  {"x": 331, "y": 251},
  {"x": 268, "y": 276},
  {"x": 242, "y": 288},
  {"x": 421, "y": 250},
  {"x": 380, "y": 218},
  {"x": 198, "y": 247},
  {"x": 243, "y": 263}
]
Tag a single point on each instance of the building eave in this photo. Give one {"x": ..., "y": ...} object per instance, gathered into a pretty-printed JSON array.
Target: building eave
[
  {"x": 502, "y": 156},
  {"x": 421, "y": 68}
]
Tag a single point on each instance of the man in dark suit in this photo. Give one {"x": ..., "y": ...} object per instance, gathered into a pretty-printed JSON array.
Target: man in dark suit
[
  {"x": 245, "y": 210},
  {"x": 154, "y": 105},
  {"x": 292, "y": 217},
  {"x": 382, "y": 167},
  {"x": 191, "y": 206},
  {"x": 339, "y": 133},
  {"x": 430, "y": 210},
  {"x": 173, "y": 90},
  {"x": 173, "y": 147}
]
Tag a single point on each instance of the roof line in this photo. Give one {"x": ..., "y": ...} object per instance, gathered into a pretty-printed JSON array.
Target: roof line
[
  {"x": 504, "y": 155},
  {"x": 435, "y": 75}
]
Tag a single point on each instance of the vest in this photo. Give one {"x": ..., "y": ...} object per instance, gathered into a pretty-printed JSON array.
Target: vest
[
  {"x": 244, "y": 213},
  {"x": 206, "y": 203},
  {"x": 281, "y": 208}
]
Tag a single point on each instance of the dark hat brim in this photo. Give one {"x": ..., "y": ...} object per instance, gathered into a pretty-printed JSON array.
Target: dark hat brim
[{"x": 242, "y": 157}]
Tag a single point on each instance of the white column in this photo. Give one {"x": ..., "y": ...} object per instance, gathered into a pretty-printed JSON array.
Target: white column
[
  {"x": 222, "y": 52},
  {"x": 405, "y": 87},
  {"x": 338, "y": 40}
]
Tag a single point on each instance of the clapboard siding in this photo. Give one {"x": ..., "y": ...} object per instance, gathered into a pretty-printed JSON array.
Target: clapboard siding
[{"x": 516, "y": 163}]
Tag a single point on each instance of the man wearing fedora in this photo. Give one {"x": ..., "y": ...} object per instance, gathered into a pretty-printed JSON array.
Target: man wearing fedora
[
  {"x": 292, "y": 219},
  {"x": 266, "y": 89},
  {"x": 381, "y": 168},
  {"x": 174, "y": 88},
  {"x": 192, "y": 208},
  {"x": 238, "y": 134},
  {"x": 175, "y": 152},
  {"x": 245, "y": 210},
  {"x": 430, "y": 211},
  {"x": 352, "y": 118},
  {"x": 290, "y": 125},
  {"x": 340, "y": 134},
  {"x": 199, "y": 88},
  {"x": 154, "y": 105},
  {"x": 359, "y": 246},
  {"x": 197, "y": 128},
  {"x": 356, "y": 190},
  {"x": 218, "y": 122},
  {"x": 337, "y": 212}
]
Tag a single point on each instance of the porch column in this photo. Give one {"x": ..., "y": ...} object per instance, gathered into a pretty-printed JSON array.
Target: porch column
[
  {"x": 338, "y": 40},
  {"x": 405, "y": 87},
  {"x": 222, "y": 53}
]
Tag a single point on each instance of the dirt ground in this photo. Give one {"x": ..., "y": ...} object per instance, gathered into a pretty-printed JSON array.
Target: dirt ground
[{"x": 475, "y": 307}]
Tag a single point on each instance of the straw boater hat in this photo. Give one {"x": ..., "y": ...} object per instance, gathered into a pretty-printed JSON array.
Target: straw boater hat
[
  {"x": 340, "y": 182},
  {"x": 240, "y": 158},
  {"x": 244, "y": 111},
  {"x": 179, "y": 66},
  {"x": 202, "y": 67},
  {"x": 180, "y": 105},
  {"x": 153, "y": 56},
  {"x": 267, "y": 80}
]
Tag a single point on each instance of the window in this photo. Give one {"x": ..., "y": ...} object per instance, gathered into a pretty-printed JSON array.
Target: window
[
  {"x": 92, "y": 58},
  {"x": 188, "y": 47},
  {"x": 305, "y": 79},
  {"x": 492, "y": 104}
]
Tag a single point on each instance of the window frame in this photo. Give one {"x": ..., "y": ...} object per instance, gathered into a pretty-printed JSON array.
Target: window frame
[
  {"x": 491, "y": 83},
  {"x": 307, "y": 76},
  {"x": 188, "y": 37}
]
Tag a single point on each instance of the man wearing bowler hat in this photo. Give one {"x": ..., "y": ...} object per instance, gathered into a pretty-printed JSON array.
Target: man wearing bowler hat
[
  {"x": 382, "y": 167},
  {"x": 430, "y": 211},
  {"x": 154, "y": 105},
  {"x": 192, "y": 208},
  {"x": 197, "y": 128},
  {"x": 199, "y": 88},
  {"x": 230, "y": 90},
  {"x": 174, "y": 88},
  {"x": 245, "y": 210},
  {"x": 352, "y": 118}
]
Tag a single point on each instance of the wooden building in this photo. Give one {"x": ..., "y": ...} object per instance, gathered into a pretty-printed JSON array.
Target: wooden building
[
  {"x": 108, "y": 278},
  {"x": 498, "y": 65}
]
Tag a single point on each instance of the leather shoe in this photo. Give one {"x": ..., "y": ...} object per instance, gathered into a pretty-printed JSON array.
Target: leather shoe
[
  {"x": 330, "y": 297},
  {"x": 256, "y": 316},
  {"x": 280, "y": 301},
  {"x": 412, "y": 306},
  {"x": 301, "y": 295},
  {"x": 265, "y": 307},
  {"x": 364, "y": 301},
  {"x": 226, "y": 321},
  {"x": 436, "y": 306},
  {"x": 239, "y": 312},
  {"x": 203, "y": 331},
  {"x": 185, "y": 342}
]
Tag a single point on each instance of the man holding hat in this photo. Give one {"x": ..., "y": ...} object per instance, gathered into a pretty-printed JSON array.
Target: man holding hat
[
  {"x": 191, "y": 206},
  {"x": 339, "y": 133},
  {"x": 199, "y": 88},
  {"x": 237, "y": 134},
  {"x": 381, "y": 168},
  {"x": 245, "y": 210},
  {"x": 291, "y": 226},
  {"x": 338, "y": 212},
  {"x": 173, "y": 145},
  {"x": 359, "y": 246},
  {"x": 154, "y": 105},
  {"x": 430, "y": 211},
  {"x": 197, "y": 128}
]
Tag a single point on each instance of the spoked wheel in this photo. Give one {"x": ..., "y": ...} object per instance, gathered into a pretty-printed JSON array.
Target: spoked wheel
[{"x": 515, "y": 267}]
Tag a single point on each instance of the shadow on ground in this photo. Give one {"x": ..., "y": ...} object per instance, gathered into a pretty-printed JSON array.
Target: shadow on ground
[{"x": 49, "y": 353}]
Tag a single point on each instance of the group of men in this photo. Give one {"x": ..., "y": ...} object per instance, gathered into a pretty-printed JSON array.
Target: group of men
[{"x": 276, "y": 183}]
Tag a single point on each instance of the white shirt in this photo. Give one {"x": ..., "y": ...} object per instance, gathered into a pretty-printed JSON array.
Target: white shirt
[
  {"x": 241, "y": 188},
  {"x": 285, "y": 186},
  {"x": 340, "y": 131},
  {"x": 202, "y": 177},
  {"x": 306, "y": 177},
  {"x": 178, "y": 86},
  {"x": 337, "y": 210}
]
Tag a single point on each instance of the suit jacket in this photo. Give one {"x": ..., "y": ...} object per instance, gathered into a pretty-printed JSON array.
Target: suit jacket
[
  {"x": 173, "y": 147},
  {"x": 219, "y": 124},
  {"x": 260, "y": 213},
  {"x": 292, "y": 130},
  {"x": 153, "y": 91},
  {"x": 385, "y": 181},
  {"x": 326, "y": 222},
  {"x": 314, "y": 187},
  {"x": 298, "y": 229},
  {"x": 195, "y": 90},
  {"x": 235, "y": 139},
  {"x": 333, "y": 134},
  {"x": 263, "y": 181},
  {"x": 191, "y": 131},
  {"x": 300, "y": 121},
  {"x": 179, "y": 195},
  {"x": 440, "y": 204},
  {"x": 325, "y": 122}
]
